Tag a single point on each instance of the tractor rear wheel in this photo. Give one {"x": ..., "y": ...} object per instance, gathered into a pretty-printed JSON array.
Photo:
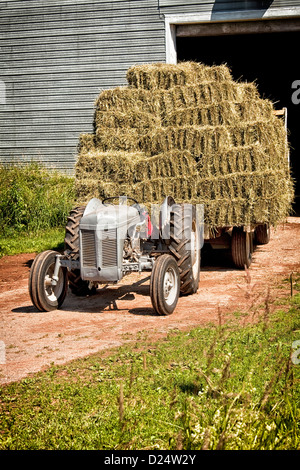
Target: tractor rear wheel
[
  {"x": 77, "y": 285},
  {"x": 185, "y": 246},
  {"x": 164, "y": 285},
  {"x": 45, "y": 295}
]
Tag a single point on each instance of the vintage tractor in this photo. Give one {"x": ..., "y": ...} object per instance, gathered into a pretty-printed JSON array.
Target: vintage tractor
[{"x": 105, "y": 241}]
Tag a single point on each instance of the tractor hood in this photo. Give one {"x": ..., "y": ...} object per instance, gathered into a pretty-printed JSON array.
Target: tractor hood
[{"x": 98, "y": 216}]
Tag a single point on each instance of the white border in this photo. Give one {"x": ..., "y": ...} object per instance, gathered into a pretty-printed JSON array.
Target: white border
[{"x": 190, "y": 18}]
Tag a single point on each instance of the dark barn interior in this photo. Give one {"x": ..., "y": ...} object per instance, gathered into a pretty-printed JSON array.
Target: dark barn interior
[{"x": 266, "y": 58}]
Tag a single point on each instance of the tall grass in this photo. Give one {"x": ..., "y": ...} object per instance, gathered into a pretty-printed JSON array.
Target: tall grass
[
  {"x": 218, "y": 387},
  {"x": 32, "y": 200}
]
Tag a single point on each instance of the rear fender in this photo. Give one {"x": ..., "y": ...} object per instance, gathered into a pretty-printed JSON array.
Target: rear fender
[{"x": 164, "y": 216}]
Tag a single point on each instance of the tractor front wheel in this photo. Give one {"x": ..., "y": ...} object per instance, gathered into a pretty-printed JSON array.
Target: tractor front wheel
[
  {"x": 165, "y": 285},
  {"x": 45, "y": 294}
]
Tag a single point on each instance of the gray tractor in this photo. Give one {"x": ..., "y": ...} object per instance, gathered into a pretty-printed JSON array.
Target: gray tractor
[{"x": 106, "y": 241}]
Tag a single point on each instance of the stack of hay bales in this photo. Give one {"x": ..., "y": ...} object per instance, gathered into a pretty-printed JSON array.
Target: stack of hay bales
[{"x": 189, "y": 131}]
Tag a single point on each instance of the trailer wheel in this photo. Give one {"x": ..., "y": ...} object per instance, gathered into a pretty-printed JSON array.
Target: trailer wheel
[
  {"x": 262, "y": 234},
  {"x": 185, "y": 246},
  {"x": 77, "y": 285},
  {"x": 164, "y": 285},
  {"x": 44, "y": 295},
  {"x": 241, "y": 247}
]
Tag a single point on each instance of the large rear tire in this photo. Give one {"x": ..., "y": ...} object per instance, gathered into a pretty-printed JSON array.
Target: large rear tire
[
  {"x": 185, "y": 246},
  {"x": 77, "y": 285},
  {"x": 46, "y": 296},
  {"x": 164, "y": 285}
]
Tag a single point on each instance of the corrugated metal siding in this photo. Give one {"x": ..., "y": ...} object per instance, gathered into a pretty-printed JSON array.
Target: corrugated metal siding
[
  {"x": 224, "y": 5},
  {"x": 55, "y": 57}
]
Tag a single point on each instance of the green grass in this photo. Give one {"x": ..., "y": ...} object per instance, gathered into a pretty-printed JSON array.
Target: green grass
[
  {"x": 34, "y": 206},
  {"x": 228, "y": 387},
  {"x": 15, "y": 243}
]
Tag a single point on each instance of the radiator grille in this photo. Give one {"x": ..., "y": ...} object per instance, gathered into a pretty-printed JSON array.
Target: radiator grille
[
  {"x": 88, "y": 249},
  {"x": 109, "y": 248}
]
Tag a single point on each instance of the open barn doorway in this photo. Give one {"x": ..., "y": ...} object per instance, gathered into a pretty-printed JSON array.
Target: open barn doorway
[{"x": 269, "y": 59}]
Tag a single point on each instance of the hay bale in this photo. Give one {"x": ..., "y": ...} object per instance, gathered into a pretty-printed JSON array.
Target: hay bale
[
  {"x": 166, "y": 165},
  {"x": 125, "y": 99},
  {"x": 118, "y": 139},
  {"x": 189, "y": 131},
  {"x": 131, "y": 119},
  {"x": 88, "y": 188},
  {"x": 203, "y": 94},
  {"x": 87, "y": 142},
  {"x": 245, "y": 91},
  {"x": 166, "y": 76},
  {"x": 117, "y": 167}
]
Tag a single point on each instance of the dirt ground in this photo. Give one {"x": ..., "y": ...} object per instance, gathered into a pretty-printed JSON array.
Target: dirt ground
[{"x": 31, "y": 341}]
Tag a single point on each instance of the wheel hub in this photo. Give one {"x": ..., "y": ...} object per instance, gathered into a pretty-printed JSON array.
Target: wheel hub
[
  {"x": 170, "y": 287},
  {"x": 53, "y": 291}
]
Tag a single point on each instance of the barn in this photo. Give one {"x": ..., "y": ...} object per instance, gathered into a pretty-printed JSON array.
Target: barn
[{"x": 56, "y": 56}]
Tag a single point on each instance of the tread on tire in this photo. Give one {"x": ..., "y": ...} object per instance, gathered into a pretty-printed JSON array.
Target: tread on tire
[
  {"x": 262, "y": 234},
  {"x": 183, "y": 218},
  {"x": 160, "y": 303},
  {"x": 42, "y": 299},
  {"x": 241, "y": 248},
  {"x": 77, "y": 285}
]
